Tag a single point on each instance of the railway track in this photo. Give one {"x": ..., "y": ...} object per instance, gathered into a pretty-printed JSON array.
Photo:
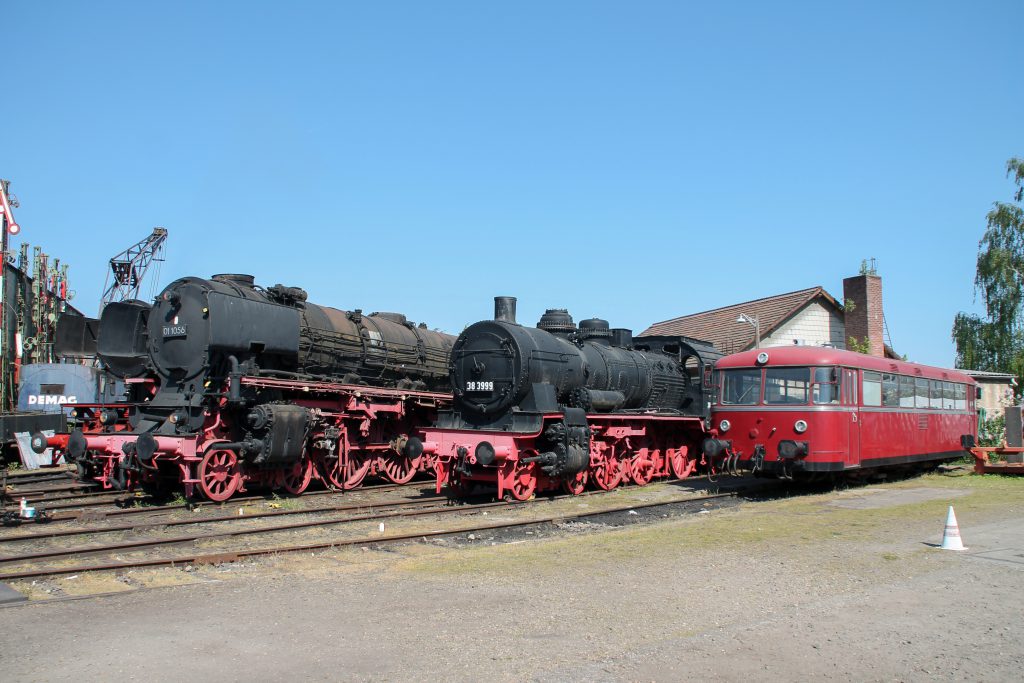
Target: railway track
[
  {"x": 59, "y": 489},
  {"x": 37, "y": 477},
  {"x": 120, "y": 501},
  {"x": 236, "y": 516},
  {"x": 379, "y": 511}
]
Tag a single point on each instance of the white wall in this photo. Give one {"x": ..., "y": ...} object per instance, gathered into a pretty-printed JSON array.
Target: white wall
[
  {"x": 994, "y": 397},
  {"x": 816, "y": 325}
]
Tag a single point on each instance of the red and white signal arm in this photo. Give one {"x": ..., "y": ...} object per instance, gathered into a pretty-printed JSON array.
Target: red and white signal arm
[{"x": 5, "y": 209}]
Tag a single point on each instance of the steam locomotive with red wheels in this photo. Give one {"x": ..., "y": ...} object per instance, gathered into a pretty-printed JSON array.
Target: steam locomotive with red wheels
[
  {"x": 253, "y": 386},
  {"x": 558, "y": 406}
]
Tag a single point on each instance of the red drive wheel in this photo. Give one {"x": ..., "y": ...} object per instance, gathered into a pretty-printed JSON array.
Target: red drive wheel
[
  {"x": 400, "y": 468},
  {"x": 682, "y": 465},
  {"x": 347, "y": 471},
  {"x": 219, "y": 477},
  {"x": 295, "y": 479},
  {"x": 356, "y": 467},
  {"x": 606, "y": 472},
  {"x": 524, "y": 481},
  {"x": 327, "y": 467},
  {"x": 576, "y": 483},
  {"x": 641, "y": 468}
]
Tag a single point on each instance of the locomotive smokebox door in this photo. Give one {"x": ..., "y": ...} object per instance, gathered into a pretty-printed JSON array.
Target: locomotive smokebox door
[{"x": 484, "y": 368}]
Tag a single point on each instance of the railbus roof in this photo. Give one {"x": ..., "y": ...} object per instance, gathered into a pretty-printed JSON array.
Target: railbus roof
[{"x": 822, "y": 355}]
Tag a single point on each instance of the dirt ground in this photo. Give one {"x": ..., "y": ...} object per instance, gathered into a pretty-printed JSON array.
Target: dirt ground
[{"x": 843, "y": 586}]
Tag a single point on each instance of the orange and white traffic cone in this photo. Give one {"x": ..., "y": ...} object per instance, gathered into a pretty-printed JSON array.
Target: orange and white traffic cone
[{"x": 951, "y": 536}]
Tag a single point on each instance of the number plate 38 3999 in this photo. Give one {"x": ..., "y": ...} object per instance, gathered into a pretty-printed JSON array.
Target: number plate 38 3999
[{"x": 479, "y": 386}]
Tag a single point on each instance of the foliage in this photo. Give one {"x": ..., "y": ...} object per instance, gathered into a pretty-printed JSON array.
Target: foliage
[
  {"x": 861, "y": 346},
  {"x": 995, "y": 342},
  {"x": 992, "y": 432}
]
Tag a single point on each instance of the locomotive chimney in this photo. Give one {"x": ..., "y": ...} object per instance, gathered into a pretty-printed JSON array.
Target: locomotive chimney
[{"x": 505, "y": 309}]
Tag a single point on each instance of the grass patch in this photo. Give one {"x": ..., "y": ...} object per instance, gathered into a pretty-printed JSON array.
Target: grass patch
[
  {"x": 279, "y": 503},
  {"x": 794, "y": 521}
]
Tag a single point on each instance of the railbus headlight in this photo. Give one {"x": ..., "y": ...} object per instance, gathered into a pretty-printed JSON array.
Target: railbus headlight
[
  {"x": 800, "y": 426},
  {"x": 724, "y": 426}
]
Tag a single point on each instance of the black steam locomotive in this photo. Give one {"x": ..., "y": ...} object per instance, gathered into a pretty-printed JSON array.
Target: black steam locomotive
[
  {"x": 558, "y": 404},
  {"x": 248, "y": 371},
  {"x": 201, "y": 332}
]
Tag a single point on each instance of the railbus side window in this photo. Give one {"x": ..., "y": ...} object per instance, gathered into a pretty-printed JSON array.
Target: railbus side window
[
  {"x": 850, "y": 386},
  {"x": 741, "y": 387},
  {"x": 826, "y": 385},
  {"x": 786, "y": 386},
  {"x": 906, "y": 392},
  {"x": 948, "y": 396},
  {"x": 891, "y": 390},
  {"x": 921, "y": 392},
  {"x": 872, "y": 391},
  {"x": 961, "y": 396},
  {"x": 936, "y": 394}
]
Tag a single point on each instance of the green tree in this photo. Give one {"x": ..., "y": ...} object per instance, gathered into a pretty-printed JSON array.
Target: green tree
[{"x": 995, "y": 342}]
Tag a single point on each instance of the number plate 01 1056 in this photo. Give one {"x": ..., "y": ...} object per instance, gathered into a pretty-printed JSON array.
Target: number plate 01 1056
[{"x": 171, "y": 331}]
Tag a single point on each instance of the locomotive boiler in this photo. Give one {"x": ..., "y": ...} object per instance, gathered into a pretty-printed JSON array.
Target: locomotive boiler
[
  {"x": 268, "y": 381},
  {"x": 558, "y": 404}
]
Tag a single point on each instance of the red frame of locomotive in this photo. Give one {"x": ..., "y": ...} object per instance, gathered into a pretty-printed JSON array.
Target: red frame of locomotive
[
  {"x": 357, "y": 431},
  {"x": 856, "y": 432},
  {"x": 624, "y": 448}
]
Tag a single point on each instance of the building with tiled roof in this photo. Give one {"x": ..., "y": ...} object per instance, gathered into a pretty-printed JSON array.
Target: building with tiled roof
[{"x": 808, "y": 316}]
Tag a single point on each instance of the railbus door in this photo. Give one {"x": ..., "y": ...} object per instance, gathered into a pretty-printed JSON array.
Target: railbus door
[{"x": 850, "y": 403}]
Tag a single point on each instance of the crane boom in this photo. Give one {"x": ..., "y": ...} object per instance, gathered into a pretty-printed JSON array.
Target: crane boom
[{"x": 129, "y": 267}]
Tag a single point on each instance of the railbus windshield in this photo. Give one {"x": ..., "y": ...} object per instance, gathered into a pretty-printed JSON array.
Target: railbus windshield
[
  {"x": 786, "y": 386},
  {"x": 741, "y": 387}
]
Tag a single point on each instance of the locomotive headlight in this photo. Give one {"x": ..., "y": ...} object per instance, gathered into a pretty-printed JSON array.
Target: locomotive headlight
[
  {"x": 800, "y": 426},
  {"x": 724, "y": 426},
  {"x": 74, "y": 412},
  {"x": 178, "y": 416},
  {"x": 108, "y": 417}
]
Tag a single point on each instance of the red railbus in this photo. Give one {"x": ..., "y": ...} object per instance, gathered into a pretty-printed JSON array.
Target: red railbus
[{"x": 803, "y": 411}]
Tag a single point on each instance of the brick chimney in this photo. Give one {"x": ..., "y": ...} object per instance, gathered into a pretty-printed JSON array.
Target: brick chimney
[{"x": 864, "y": 321}]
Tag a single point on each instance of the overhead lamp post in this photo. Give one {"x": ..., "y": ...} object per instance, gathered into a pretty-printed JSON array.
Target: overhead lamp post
[{"x": 755, "y": 323}]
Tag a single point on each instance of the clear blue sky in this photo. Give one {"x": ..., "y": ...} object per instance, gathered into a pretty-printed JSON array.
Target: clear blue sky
[{"x": 635, "y": 161}]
